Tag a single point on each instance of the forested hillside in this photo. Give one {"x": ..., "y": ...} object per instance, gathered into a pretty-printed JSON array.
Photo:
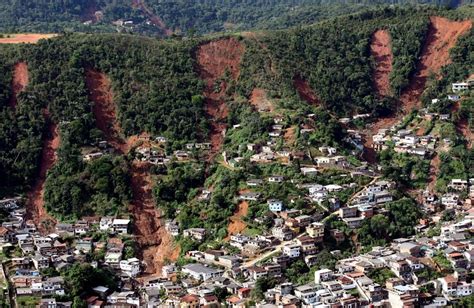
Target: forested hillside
[{"x": 179, "y": 16}]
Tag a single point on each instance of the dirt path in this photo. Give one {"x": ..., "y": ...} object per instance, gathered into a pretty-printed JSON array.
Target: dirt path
[
  {"x": 100, "y": 92},
  {"x": 381, "y": 50},
  {"x": 154, "y": 242},
  {"x": 237, "y": 225},
  {"x": 29, "y": 38},
  {"x": 155, "y": 20},
  {"x": 214, "y": 59},
  {"x": 19, "y": 82},
  {"x": 35, "y": 204},
  {"x": 305, "y": 91},
  {"x": 442, "y": 36}
]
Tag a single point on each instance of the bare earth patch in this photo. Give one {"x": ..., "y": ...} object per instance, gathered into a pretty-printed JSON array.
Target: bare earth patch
[
  {"x": 237, "y": 225},
  {"x": 155, "y": 244},
  {"x": 442, "y": 36},
  {"x": 381, "y": 50},
  {"x": 260, "y": 101},
  {"x": 305, "y": 91},
  {"x": 35, "y": 209},
  {"x": 28, "y": 38},
  {"x": 19, "y": 82},
  {"x": 214, "y": 59}
]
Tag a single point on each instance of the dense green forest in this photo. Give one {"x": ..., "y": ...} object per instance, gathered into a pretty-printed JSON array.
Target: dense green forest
[{"x": 182, "y": 16}]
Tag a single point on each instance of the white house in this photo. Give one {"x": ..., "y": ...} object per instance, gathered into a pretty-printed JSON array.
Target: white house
[
  {"x": 460, "y": 86},
  {"x": 323, "y": 275},
  {"x": 201, "y": 272},
  {"x": 292, "y": 250},
  {"x": 131, "y": 267},
  {"x": 275, "y": 205}
]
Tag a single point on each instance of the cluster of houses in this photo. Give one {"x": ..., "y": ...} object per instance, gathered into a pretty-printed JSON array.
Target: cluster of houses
[
  {"x": 354, "y": 282},
  {"x": 405, "y": 142},
  {"x": 452, "y": 199},
  {"x": 32, "y": 252}
]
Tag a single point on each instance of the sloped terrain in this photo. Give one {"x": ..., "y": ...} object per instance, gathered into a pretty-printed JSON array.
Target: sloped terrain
[
  {"x": 304, "y": 90},
  {"x": 381, "y": 50},
  {"x": 104, "y": 108},
  {"x": 35, "y": 204},
  {"x": 19, "y": 82},
  {"x": 155, "y": 244},
  {"x": 214, "y": 59},
  {"x": 442, "y": 36}
]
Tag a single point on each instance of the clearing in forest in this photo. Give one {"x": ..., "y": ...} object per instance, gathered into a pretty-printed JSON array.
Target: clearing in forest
[
  {"x": 381, "y": 50},
  {"x": 155, "y": 244},
  {"x": 304, "y": 90},
  {"x": 442, "y": 36},
  {"x": 214, "y": 59},
  {"x": 35, "y": 204},
  {"x": 260, "y": 101},
  {"x": 29, "y": 38},
  {"x": 237, "y": 225},
  {"x": 19, "y": 82}
]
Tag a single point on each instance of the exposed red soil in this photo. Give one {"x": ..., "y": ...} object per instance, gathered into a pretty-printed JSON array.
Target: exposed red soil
[
  {"x": 100, "y": 92},
  {"x": 237, "y": 225},
  {"x": 260, "y": 101},
  {"x": 442, "y": 36},
  {"x": 19, "y": 82},
  {"x": 155, "y": 20},
  {"x": 28, "y": 38},
  {"x": 305, "y": 91},
  {"x": 154, "y": 242},
  {"x": 214, "y": 59},
  {"x": 381, "y": 50},
  {"x": 35, "y": 204},
  {"x": 435, "y": 164}
]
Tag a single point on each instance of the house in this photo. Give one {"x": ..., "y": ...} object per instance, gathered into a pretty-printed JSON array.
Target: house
[
  {"x": 249, "y": 196},
  {"x": 198, "y": 234},
  {"x": 307, "y": 293},
  {"x": 309, "y": 171},
  {"x": 276, "y": 179},
  {"x": 105, "y": 223},
  {"x": 120, "y": 226},
  {"x": 254, "y": 182},
  {"x": 460, "y": 86},
  {"x": 353, "y": 222},
  {"x": 316, "y": 231},
  {"x": 130, "y": 267},
  {"x": 275, "y": 205},
  {"x": 292, "y": 251},
  {"x": 458, "y": 184},
  {"x": 348, "y": 212},
  {"x": 323, "y": 275},
  {"x": 113, "y": 258},
  {"x": 454, "y": 97},
  {"x": 201, "y": 272},
  {"x": 282, "y": 233},
  {"x": 450, "y": 200}
]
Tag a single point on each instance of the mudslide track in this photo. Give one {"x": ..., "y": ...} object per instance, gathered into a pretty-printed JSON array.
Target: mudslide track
[
  {"x": 154, "y": 243},
  {"x": 35, "y": 209},
  {"x": 442, "y": 36},
  {"x": 213, "y": 59},
  {"x": 381, "y": 51},
  {"x": 19, "y": 82}
]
